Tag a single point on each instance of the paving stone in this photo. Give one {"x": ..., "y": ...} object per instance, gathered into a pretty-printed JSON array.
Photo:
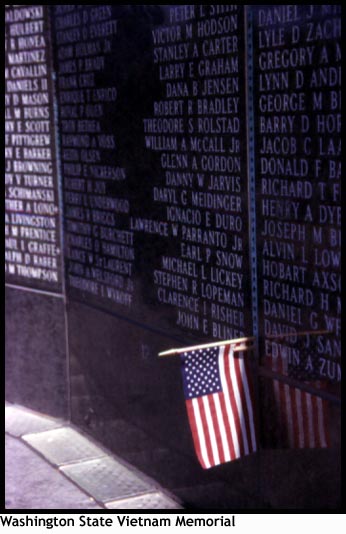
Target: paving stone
[
  {"x": 151, "y": 501},
  {"x": 32, "y": 484},
  {"x": 107, "y": 480},
  {"x": 19, "y": 422},
  {"x": 64, "y": 446}
]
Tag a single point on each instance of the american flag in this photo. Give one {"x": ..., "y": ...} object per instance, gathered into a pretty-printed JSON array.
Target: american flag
[
  {"x": 220, "y": 404},
  {"x": 302, "y": 417}
]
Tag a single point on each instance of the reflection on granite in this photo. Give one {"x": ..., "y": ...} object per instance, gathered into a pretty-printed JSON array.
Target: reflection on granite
[
  {"x": 217, "y": 496},
  {"x": 305, "y": 479},
  {"x": 35, "y": 346},
  {"x": 126, "y": 397}
]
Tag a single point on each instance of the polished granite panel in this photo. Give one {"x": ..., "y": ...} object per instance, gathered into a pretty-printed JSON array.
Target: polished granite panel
[
  {"x": 156, "y": 190},
  {"x": 133, "y": 402},
  {"x": 217, "y": 496},
  {"x": 301, "y": 480},
  {"x": 116, "y": 376},
  {"x": 286, "y": 480},
  {"x": 35, "y": 345}
]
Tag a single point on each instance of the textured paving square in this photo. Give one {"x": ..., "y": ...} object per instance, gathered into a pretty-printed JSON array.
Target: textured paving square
[
  {"x": 64, "y": 446},
  {"x": 19, "y": 422},
  {"x": 151, "y": 501},
  {"x": 32, "y": 484},
  {"x": 107, "y": 480}
]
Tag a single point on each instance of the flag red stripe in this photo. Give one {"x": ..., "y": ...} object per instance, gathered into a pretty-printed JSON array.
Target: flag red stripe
[
  {"x": 206, "y": 431},
  {"x": 217, "y": 429},
  {"x": 194, "y": 431},
  {"x": 226, "y": 417}
]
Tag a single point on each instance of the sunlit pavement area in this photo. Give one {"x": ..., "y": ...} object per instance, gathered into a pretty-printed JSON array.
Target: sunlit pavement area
[{"x": 51, "y": 465}]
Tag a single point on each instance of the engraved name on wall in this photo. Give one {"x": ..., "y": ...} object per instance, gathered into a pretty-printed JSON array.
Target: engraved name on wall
[
  {"x": 152, "y": 108},
  {"x": 198, "y": 128},
  {"x": 298, "y": 121},
  {"x": 99, "y": 247},
  {"x": 32, "y": 234}
]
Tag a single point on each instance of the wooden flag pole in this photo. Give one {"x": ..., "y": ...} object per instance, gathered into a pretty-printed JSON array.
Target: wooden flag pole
[{"x": 242, "y": 344}]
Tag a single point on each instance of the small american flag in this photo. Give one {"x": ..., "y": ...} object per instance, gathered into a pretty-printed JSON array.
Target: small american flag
[
  {"x": 302, "y": 417},
  {"x": 220, "y": 404}
]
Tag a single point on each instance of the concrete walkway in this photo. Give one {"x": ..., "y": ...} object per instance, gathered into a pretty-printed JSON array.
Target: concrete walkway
[{"x": 49, "y": 465}]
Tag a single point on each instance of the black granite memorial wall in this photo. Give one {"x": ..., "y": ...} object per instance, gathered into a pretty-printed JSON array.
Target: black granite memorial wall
[
  {"x": 199, "y": 167},
  {"x": 154, "y": 167},
  {"x": 36, "y": 358}
]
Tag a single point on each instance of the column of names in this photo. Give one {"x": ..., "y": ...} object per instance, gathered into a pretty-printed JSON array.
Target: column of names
[
  {"x": 299, "y": 171},
  {"x": 100, "y": 249},
  {"x": 32, "y": 236},
  {"x": 197, "y": 130}
]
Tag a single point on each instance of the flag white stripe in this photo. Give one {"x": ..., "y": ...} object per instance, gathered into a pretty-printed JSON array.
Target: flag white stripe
[
  {"x": 238, "y": 403},
  {"x": 310, "y": 427},
  {"x": 300, "y": 418},
  {"x": 220, "y": 419},
  {"x": 200, "y": 431},
  {"x": 211, "y": 431},
  {"x": 228, "y": 401},
  {"x": 321, "y": 427},
  {"x": 249, "y": 403}
]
